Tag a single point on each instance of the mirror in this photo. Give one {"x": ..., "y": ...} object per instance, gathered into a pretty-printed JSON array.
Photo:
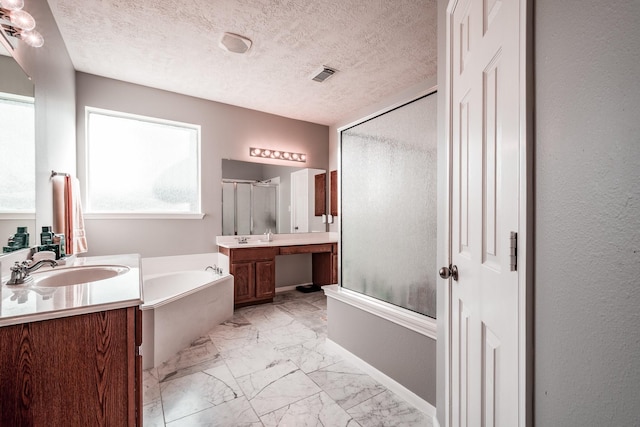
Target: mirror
[
  {"x": 17, "y": 150},
  {"x": 257, "y": 197}
]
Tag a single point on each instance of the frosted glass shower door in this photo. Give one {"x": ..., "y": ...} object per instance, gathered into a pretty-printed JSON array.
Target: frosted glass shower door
[
  {"x": 243, "y": 208},
  {"x": 228, "y": 208},
  {"x": 264, "y": 208},
  {"x": 389, "y": 224}
]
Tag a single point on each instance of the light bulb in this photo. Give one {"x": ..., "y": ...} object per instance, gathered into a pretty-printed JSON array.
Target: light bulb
[
  {"x": 256, "y": 152},
  {"x": 22, "y": 20},
  {"x": 303, "y": 157},
  {"x": 295, "y": 156},
  {"x": 32, "y": 38},
  {"x": 286, "y": 155},
  {"x": 12, "y": 4},
  {"x": 266, "y": 153},
  {"x": 276, "y": 154}
]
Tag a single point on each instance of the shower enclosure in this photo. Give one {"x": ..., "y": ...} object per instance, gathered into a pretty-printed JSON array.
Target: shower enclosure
[
  {"x": 389, "y": 219},
  {"x": 249, "y": 207}
]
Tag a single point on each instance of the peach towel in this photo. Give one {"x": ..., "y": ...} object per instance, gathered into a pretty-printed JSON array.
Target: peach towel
[{"x": 67, "y": 213}]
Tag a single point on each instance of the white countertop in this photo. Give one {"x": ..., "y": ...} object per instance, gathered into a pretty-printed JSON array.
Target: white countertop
[
  {"x": 257, "y": 241},
  {"x": 28, "y": 303}
]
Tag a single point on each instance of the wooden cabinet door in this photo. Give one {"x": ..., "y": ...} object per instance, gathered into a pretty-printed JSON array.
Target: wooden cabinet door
[
  {"x": 244, "y": 281},
  {"x": 320, "y": 196},
  {"x": 265, "y": 279},
  {"x": 137, "y": 395},
  {"x": 70, "y": 371}
]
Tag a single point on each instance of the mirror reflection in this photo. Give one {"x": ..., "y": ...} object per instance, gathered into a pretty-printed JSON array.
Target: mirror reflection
[
  {"x": 17, "y": 150},
  {"x": 260, "y": 197}
]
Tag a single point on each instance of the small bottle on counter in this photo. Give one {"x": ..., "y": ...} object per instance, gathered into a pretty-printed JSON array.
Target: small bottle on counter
[
  {"x": 22, "y": 237},
  {"x": 18, "y": 241},
  {"x": 46, "y": 237},
  {"x": 58, "y": 239}
]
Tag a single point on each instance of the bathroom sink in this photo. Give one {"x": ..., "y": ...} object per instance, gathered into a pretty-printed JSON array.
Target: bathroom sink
[
  {"x": 253, "y": 243},
  {"x": 77, "y": 275}
]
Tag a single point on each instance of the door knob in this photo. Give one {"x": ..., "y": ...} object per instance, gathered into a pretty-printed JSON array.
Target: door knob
[{"x": 451, "y": 271}]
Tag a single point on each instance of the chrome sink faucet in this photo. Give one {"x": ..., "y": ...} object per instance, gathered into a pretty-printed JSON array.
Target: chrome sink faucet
[{"x": 20, "y": 271}]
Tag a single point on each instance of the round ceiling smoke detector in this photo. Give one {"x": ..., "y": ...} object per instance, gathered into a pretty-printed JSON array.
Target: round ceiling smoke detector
[{"x": 235, "y": 43}]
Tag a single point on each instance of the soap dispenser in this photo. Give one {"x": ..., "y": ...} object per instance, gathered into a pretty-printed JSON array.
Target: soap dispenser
[{"x": 268, "y": 235}]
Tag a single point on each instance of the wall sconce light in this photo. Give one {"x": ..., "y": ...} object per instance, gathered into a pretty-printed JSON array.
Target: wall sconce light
[
  {"x": 277, "y": 154},
  {"x": 18, "y": 23}
]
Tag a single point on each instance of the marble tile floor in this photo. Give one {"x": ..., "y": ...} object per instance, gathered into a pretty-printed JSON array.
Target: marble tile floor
[{"x": 268, "y": 366}]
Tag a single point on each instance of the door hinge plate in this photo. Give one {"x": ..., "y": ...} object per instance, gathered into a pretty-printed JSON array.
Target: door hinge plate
[{"x": 513, "y": 251}]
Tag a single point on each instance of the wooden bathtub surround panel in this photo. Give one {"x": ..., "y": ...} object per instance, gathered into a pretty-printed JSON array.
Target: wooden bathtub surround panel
[
  {"x": 78, "y": 370},
  {"x": 320, "y": 194},
  {"x": 254, "y": 269},
  {"x": 334, "y": 193}
]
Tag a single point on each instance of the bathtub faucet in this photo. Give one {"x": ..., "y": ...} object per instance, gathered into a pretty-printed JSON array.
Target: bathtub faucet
[{"x": 214, "y": 268}]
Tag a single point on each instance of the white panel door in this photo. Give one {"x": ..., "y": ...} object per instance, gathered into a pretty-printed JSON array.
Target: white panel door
[{"x": 485, "y": 105}]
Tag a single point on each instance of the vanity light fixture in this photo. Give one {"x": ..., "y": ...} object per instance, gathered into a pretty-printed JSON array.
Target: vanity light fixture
[
  {"x": 18, "y": 23},
  {"x": 277, "y": 154}
]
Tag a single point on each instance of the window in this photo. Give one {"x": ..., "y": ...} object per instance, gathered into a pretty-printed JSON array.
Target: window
[
  {"x": 17, "y": 155},
  {"x": 141, "y": 165}
]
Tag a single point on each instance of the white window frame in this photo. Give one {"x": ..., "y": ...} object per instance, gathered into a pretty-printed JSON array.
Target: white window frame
[{"x": 140, "y": 215}]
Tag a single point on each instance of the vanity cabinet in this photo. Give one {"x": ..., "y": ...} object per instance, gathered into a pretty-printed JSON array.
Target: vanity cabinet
[
  {"x": 77, "y": 370},
  {"x": 254, "y": 274},
  {"x": 254, "y": 269}
]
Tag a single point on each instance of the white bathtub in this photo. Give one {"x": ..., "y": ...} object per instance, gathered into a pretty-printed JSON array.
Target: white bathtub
[{"x": 182, "y": 301}]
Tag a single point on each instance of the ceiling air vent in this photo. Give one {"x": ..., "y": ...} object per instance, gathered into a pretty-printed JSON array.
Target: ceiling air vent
[{"x": 324, "y": 74}]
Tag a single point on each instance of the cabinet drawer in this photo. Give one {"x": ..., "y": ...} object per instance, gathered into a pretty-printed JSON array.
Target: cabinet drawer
[
  {"x": 252, "y": 254},
  {"x": 306, "y": 249}
]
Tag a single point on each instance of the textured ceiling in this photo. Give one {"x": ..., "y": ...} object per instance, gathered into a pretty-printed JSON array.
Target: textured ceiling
[{"x": 379, "y": 47}]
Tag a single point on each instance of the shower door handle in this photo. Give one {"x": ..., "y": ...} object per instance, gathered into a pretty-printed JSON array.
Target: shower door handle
[{"x": 451, "y": 271}]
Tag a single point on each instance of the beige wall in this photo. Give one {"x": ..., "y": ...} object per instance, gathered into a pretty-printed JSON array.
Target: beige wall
[
  {"x": 587, "y": 213},
  {"x": 406, "y": 356},
  {"x": 226, "y": 132},
  {"x": 53, "y": 75}
]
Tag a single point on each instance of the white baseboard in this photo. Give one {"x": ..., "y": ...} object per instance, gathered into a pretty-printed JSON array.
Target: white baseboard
[{"x": 385, "y": 380}]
